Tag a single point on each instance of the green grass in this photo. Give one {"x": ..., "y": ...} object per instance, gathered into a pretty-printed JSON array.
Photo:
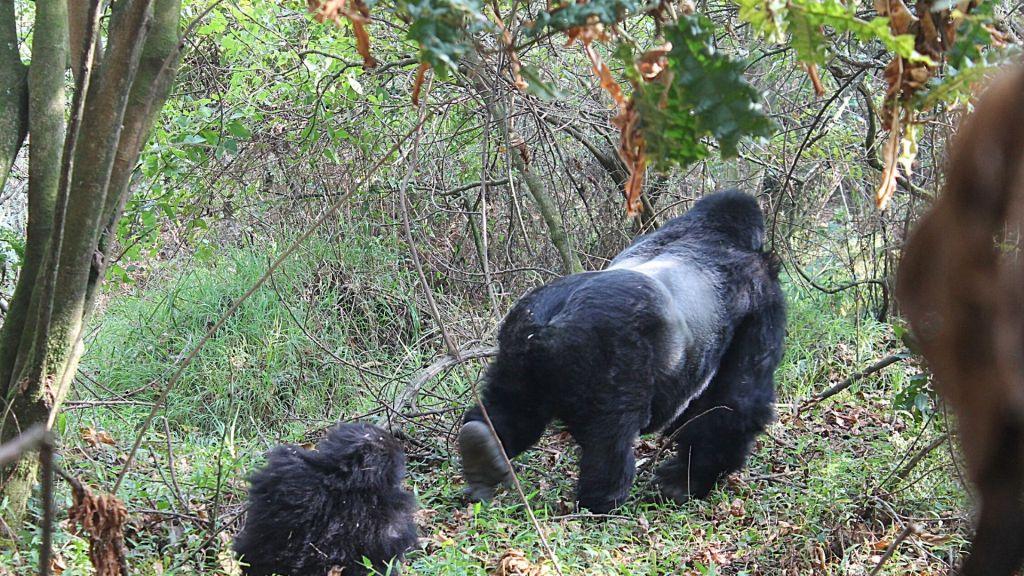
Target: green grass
[{"x": 816, "y": 497}]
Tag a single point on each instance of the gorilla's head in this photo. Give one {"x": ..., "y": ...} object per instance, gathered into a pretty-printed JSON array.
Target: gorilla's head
[
  {"x": 370, "y": 457},
  {"x": 734, "y": 214}
]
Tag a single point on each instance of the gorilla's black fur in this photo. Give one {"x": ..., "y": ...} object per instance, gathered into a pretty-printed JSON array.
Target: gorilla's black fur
[
  {"x": 681, "y": 333},
  {"x": 312, "y": 510}
]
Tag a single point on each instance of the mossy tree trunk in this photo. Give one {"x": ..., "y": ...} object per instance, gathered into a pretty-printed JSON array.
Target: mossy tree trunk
[
  {"x": 13, "y": 92},
  {"x": 68, "y": 232}
]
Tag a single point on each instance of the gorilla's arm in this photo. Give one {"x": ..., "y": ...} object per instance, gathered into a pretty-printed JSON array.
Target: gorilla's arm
[{"x": 715, "y": 433}]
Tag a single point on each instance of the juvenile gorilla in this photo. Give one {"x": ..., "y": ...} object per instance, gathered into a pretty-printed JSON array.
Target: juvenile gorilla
[
  {"x": 310, "y": 511},
  {"x": 681, "y": 333}
]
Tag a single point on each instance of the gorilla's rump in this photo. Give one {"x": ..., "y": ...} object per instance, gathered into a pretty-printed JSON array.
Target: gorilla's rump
[{"x": 615, "y": 340}]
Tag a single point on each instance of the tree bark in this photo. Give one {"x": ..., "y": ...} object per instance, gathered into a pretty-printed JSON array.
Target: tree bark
[
  {"x": 149, "y": 93},
  {"x": 13, "y": 92},
  {"x": 125, "y": 94},
  {"x": 78, "y": 20},
  {"x": 13, "y": 128},
  {"x": 46, "y": 122}
]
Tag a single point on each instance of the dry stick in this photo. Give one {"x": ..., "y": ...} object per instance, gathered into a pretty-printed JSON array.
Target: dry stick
[
  {"x": 901, "y": 474},
  {"x": 907, "y": 531},
  {"x": 404, "y": 398},
  {"x": 256, "y": 286},
  {"x": 170, "y": 468},
  {"x": 452, "y": 350},
  {"x": 853, "y": 378},
  {"x": 38, "y": 369}
]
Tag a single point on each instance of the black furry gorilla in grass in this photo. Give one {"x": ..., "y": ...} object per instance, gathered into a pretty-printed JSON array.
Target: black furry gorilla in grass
[
  {"x": 313, "y": 510},
  {"x": 681, "y": 333}
]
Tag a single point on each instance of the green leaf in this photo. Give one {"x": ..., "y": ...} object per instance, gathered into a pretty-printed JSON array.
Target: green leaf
[
  {"x": 238, "y": 130},
  {"x": 538, "y": 87},
  {"x": 807, "y": 23},
  {"x": 443, "y": 29},
  {"x": 707, "y": 97},
  {"x": 564, "y": 16},
  {"x": 14, "y": 240}
]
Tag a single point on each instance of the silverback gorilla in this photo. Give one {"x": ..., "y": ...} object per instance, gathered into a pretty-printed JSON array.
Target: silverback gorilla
[
  {"x": 314, "y": 510},
  {"x": 681, "y": 333}
]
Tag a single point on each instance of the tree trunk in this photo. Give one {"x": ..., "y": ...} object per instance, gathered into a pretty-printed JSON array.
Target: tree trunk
[
  {"x": 46, "y": 122},
  {"x": 39, "y": 355},
  {"x": 13, "y": 128},
  {"x": 13, "y": 92}
]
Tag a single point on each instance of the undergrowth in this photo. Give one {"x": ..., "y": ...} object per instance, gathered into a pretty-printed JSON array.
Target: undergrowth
[{"x": 341, "y": 330}]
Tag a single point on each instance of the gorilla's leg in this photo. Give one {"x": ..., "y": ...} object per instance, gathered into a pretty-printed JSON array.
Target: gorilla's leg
[
  {"x": 519, "y": 421},
  {"x": 715, "y": 433},
  {"x": 607, "y": 465}
]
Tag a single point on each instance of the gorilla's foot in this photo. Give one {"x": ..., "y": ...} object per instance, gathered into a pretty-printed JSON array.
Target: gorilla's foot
[
  {"x": 680, "y": 484},
  {"x": 483, "y": 466},
  {"x": 675, "y": 493}
]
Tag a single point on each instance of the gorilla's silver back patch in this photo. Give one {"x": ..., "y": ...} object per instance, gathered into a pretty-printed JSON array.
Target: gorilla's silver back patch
[{"x": 696, "y": 312}]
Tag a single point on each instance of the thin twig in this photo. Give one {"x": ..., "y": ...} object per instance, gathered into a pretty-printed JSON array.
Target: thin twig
[
  {"x": 87, "y": 404},
  {"x": 671, "y": 437},
  {"x": 924, "y": 452},
  {"x": 302, "y": 327},
  {"x": 27, "y": 440},
  {"x": 803, "y": 145},
  {"x": 907, "y": 531},
  {"x": 170, "y": 468}
]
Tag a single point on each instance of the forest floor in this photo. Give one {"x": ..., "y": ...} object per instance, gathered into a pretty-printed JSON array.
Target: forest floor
[{"x": 828, "y": 489}]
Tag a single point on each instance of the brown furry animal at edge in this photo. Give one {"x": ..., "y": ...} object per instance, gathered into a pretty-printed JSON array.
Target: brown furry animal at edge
[{"x": 963, "y": 292}]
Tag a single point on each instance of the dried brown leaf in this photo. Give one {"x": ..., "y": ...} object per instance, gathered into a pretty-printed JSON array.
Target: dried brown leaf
[
  {"x": 513, "y": 57},
  {"x": 604, "y": 74},
  {"x": 94, "y": 437},
  {"x": 736, "y": 508},
  {"x": 57, "y": 565},
  {"x": 515, "y": 563},
  {"x": 363, "y": 43},
  {"x": 417, "y": 83},
  {"x": 890, "y": 171},
  {"x": 901, "y": 19},
  {"x": 632, "y": 152},
  {"x": 812, "y": 73},
  {"x": 102, "y": 518},
  {"x": 653, "y": 62},
  {"x": 356, "y": 12}
]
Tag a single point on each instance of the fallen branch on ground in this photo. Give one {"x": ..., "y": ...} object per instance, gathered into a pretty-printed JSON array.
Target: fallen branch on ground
[
  {"x": 854, "y": 378},
  {"x": 405, "y": 398}
]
